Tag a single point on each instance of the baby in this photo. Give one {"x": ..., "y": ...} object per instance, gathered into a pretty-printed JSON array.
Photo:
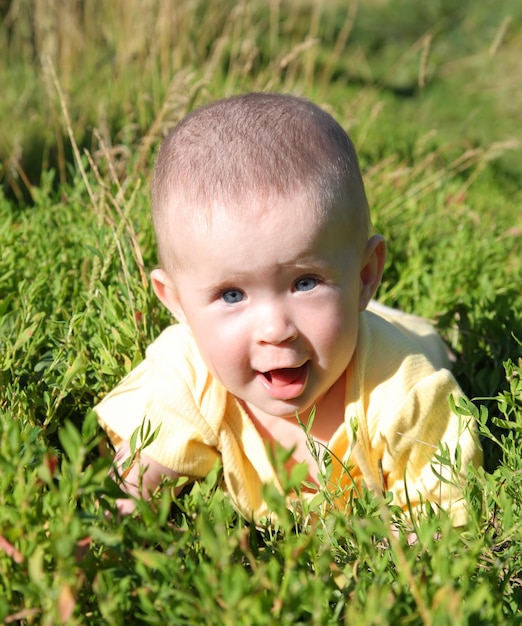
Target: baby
[{"x": 269, "y": 264}]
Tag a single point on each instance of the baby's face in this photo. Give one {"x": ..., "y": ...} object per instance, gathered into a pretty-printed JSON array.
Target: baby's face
[{"x": 272, "y": 300}]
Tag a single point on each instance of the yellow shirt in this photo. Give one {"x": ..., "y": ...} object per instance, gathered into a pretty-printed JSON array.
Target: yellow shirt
[{"x": 397, "y": 393}]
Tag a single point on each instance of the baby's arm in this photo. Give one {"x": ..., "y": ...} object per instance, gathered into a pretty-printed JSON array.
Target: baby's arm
[{"x": 141, "y": 479}]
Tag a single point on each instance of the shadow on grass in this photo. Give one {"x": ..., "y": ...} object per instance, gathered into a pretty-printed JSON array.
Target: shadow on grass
[
  {"x": 39, "y": 153},
  {"x": 490, "y": 333}
]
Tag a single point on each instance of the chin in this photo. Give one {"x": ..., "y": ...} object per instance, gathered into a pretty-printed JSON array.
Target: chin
[
  {"x": 282, "y": 409},
  {"x": 290, "y": 413}
]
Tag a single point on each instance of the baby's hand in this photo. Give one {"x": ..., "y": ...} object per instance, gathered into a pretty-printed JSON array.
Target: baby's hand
[{"x": 140, "y": 479}]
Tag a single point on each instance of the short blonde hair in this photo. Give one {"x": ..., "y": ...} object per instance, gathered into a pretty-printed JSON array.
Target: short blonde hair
[{"x": 258, "y": 144}]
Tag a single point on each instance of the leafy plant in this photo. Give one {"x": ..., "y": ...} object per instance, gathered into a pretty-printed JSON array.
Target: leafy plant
[{"x": 86, "y": 98}]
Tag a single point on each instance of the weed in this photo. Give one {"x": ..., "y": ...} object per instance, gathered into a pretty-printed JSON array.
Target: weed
[{"x": 422, "y": 92}]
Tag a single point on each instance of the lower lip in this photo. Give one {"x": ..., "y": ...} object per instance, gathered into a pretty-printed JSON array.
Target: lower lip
[{"x": 288, "y": 384}]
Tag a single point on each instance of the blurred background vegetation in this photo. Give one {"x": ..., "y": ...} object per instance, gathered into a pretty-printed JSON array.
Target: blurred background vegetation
[
  {"x": 394, "y": 70},
  {"x": 431, "y": 95}
]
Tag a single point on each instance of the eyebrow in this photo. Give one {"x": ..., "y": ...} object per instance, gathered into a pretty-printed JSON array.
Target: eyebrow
[{"x": 306, "y": 266}]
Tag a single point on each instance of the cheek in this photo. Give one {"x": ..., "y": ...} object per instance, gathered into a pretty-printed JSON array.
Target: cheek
[
  {"x": 335, "y": 328},
  {"x": 333, "y": 315},
  {"x": 222, "y": 345}
]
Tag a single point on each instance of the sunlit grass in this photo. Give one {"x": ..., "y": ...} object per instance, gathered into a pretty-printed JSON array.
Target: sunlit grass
[{"x": 86, "y": 98}]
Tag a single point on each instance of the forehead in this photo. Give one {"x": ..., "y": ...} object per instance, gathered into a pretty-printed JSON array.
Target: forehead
[{"x": 271, "y": 230}]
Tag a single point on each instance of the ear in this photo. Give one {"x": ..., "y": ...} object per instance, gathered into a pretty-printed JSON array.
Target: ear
[
  {"x": 374, "y": 258},
  {"x": 166, "y": 292}
]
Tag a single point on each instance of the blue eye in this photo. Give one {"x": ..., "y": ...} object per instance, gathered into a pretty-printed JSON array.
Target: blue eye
[
  {"x": 307, "y": 283},
  {"x": 232, "y": 296}
]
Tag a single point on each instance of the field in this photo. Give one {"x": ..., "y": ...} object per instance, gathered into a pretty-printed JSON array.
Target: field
[{"x": 430, "y": 94}]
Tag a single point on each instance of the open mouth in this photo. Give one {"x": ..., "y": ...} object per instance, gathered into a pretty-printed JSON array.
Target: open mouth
[
  {"x": 285, "y": 375},
  {"x": 285, "y": 383}
]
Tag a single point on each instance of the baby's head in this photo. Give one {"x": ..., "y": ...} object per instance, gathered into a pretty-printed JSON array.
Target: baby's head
[
  {"x": 263, "y": 236},
  {"x": 236, "y": 154}
]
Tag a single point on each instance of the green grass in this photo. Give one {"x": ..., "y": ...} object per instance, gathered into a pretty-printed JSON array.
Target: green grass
[{"x": 431, "y": 99}]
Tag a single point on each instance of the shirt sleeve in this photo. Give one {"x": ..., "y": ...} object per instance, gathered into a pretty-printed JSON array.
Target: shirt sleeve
[
  {"x": 170, "y": 392},
  {"x": 419, "y": 330},
  {"x": 198, "y": 422},
  {"x": 425, "y": 448},
  {"x": 401, "y": 434}
]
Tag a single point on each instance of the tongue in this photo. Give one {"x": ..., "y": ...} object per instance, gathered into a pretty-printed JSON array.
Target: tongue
[
  {"x": 285, "y": 383},
  {"x": 284, "y": 376}
]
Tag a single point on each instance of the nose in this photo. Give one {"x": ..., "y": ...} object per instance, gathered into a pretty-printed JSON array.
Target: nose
[{"x": 274, "y": 325}]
